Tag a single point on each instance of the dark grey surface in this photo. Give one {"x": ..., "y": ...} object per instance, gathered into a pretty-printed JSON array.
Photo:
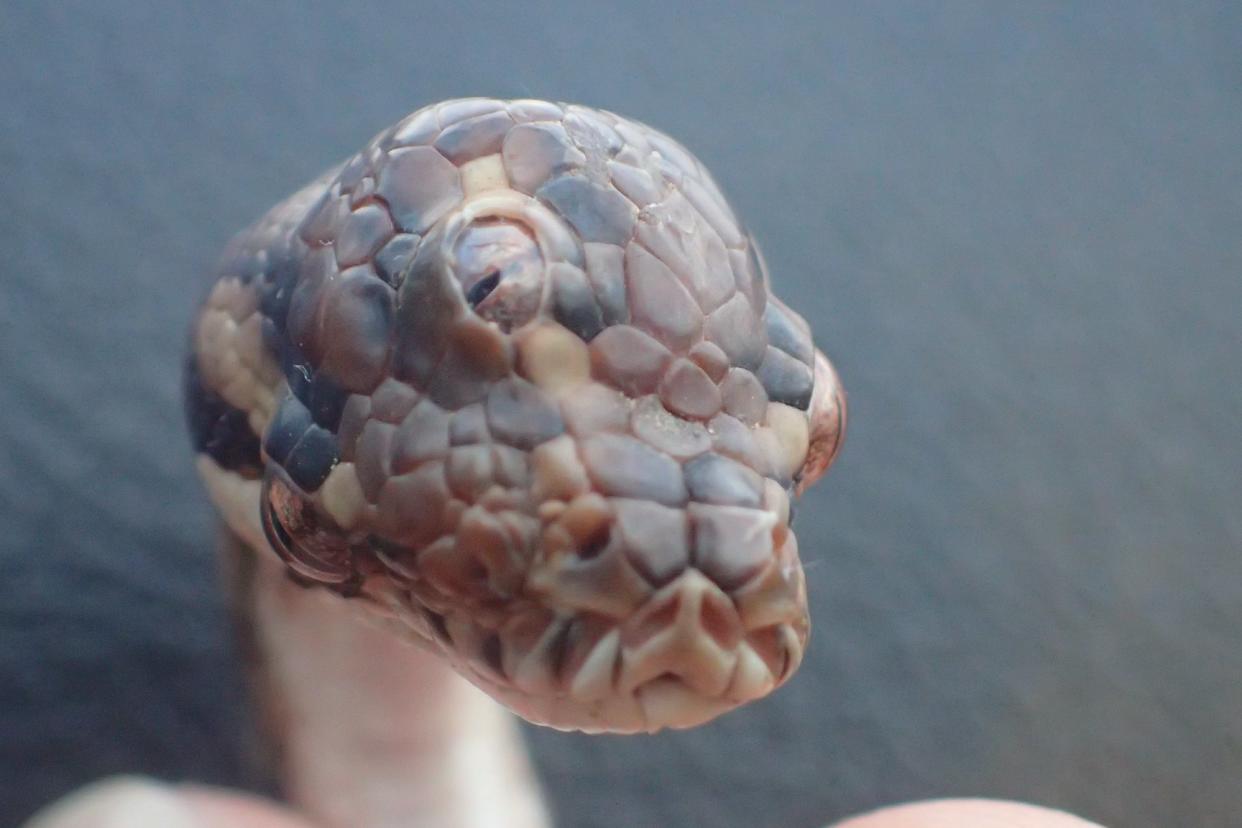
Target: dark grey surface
[{"x": 1017, "y": 231}]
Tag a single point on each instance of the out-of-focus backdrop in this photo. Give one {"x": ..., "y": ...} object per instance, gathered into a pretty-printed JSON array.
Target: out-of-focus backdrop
[{"x": 1016, "y": 227}]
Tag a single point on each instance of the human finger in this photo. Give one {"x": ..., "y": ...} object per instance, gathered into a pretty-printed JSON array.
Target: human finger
[
  {"x": 966, "y": 813},
  {"x": 139, "y": 802}
]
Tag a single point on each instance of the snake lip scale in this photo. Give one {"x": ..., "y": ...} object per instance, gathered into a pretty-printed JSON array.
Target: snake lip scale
[{"x": 513, "y": 382}]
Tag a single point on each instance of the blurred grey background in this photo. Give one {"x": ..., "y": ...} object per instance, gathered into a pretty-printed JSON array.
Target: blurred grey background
[{"x": 1016, "y": 227}]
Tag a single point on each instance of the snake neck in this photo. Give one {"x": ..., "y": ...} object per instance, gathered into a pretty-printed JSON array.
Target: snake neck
[{"x": 363, "y": 729}]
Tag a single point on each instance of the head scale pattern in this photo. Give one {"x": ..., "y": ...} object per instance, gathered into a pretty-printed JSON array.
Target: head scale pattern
[{"x": 513, "y": 376}]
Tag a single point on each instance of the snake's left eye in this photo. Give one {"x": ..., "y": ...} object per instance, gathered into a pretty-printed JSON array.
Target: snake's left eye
[
  {"x": 482, "y": 289},
  {"x": 308, "y": 541}
]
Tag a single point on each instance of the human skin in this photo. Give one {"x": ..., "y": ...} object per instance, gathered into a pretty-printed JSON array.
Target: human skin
[{"x": 137, "y": 803}]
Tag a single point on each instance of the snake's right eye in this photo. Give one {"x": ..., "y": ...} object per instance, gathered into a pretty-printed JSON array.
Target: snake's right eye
[{"x": 482, "y": 289}]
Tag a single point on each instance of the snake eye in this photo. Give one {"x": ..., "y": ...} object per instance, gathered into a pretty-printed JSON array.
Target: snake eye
[
  {"x": 482, "y": 289},
  {"x": 306, "y": 540},
  {"x": 827, "y": 414},
  {"x": 500, "y": 269}
]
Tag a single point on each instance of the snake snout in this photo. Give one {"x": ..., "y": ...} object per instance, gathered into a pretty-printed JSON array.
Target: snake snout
[{"x": 648, "y": 616}]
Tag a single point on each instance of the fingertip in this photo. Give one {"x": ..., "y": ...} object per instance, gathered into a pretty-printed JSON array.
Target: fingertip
[
  {"x": 118, "y": 802},
  {"x": 966, "y": 813},
  {"x": 231, "y": 809},
  {"x": 141, "y": 802}
]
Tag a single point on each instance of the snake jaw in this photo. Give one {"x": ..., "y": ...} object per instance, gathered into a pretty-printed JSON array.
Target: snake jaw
[
  {"x": 681, "y": 660},
  {"x": 520, "y": 383}
]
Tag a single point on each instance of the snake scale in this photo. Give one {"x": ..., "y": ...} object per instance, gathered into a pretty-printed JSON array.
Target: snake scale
[{"x": 512, "y": 381}]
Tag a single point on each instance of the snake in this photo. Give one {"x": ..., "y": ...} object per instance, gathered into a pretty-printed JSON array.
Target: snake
[{"x": 511, "y": 384}]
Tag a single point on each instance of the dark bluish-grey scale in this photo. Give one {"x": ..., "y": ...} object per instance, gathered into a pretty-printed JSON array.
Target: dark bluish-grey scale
[
  {"x": 574, "y": 304},
  {"x": 394, "y": 258},
  {"x": 475, "y": 137},
  {"x": 325, "y": 398},
  {"x": 311, "y": 460},
  {"x": 300, "y": 438},
  {"x": 787, "y": 335},
  {"x": 276, "y": 287},
  {"x": 291, "y": 422},
  {"x": 786, "y": 379},
  {"x": 597, "y": 213},
  {"x": 713, "y": 478},
  {"x": 519, "y": 415},
  {"x": 306, "y": 450},
  {"x": 787, "y": 371},
  {"x": 217, "y": 429},
  {"x": 426, "y": 314}
]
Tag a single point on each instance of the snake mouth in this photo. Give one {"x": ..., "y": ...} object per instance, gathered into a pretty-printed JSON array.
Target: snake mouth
[
  {"x": 587, "y": 643},
  {"x": 686, "y": 656}
]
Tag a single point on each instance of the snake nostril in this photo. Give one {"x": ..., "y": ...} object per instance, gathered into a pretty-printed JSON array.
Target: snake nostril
[
  {"x": 438, "y": 625},
  {"x": 493, "y": 654},
  {"x": 558, "y": 650},
  {"x": 658, "y": 618},
  {"x": 718, "y": 618},
  {"x": 594, "y": 544}
]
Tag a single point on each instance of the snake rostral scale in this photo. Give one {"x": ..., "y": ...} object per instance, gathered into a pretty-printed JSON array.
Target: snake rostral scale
[{"x": 512, "y": 380}]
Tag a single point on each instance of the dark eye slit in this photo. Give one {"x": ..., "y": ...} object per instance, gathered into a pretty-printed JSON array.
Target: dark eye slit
[{"x": 482, "y": 288}]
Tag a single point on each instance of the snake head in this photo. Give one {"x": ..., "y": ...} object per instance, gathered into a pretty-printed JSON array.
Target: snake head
[{"x": 523, "y": 389}]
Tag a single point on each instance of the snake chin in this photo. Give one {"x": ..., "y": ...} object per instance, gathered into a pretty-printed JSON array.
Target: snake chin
[{"x": 680, "y": 661}]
